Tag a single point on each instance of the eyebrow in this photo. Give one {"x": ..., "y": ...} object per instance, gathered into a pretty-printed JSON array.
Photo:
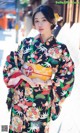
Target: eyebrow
[{"x": 41, "y": 18}]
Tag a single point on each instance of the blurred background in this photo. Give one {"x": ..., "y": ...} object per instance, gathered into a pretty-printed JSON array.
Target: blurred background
[
  {"x": 15, "y": 25},
  {"x": 16, "y": 14}
]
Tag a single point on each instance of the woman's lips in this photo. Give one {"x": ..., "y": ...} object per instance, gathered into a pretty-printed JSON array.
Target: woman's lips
[{"x": 40, "y": 29}]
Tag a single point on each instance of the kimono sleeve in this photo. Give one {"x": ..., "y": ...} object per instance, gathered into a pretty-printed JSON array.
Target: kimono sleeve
[
  {"x": 62, "y": 82},
  {"x": 12, "y": 67}
]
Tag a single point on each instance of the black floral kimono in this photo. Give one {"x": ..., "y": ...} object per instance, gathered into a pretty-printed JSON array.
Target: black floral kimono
[{"x": 33, "y": 107}]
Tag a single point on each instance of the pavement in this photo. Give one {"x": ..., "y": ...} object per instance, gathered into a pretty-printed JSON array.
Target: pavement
[{"x": 69, "y": 119}]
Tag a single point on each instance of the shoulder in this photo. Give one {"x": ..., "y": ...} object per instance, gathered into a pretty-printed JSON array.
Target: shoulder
[
  {"x": 25, "y": 43},
  {"x": 62, "y": 47},
  {"x": 27, "y": 40}
]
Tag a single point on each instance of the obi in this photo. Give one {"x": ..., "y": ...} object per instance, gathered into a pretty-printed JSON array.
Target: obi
[{"x": 37, "y": 71}]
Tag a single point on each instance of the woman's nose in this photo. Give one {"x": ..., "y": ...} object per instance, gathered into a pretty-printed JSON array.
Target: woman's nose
[{"x": 40, "y": 24}]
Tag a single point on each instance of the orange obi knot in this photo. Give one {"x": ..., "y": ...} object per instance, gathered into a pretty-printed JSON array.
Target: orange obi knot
[{"x": 37, "y": 71}]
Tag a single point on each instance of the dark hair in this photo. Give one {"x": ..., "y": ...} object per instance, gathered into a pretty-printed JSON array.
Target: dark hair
[{"x": 47, "y": 11}]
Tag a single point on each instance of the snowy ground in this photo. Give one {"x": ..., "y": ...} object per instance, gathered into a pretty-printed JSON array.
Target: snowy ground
[{"x": 69, "y": 119}]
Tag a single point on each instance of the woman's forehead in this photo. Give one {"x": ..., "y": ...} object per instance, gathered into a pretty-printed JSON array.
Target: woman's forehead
[{"x": 39, "y": 15}]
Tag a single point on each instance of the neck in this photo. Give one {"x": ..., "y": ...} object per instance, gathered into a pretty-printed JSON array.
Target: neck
[{"x": 45, "y": 37}]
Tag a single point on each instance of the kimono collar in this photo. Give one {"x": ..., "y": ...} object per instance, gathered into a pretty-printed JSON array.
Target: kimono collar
[{"x": 49, "y": 42}]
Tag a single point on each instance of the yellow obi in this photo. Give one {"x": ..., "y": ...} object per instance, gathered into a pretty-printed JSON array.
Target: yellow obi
[{"x": 37, "y": 71}]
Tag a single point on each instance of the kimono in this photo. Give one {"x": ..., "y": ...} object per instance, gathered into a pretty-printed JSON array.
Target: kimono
[{"x": 32, "y": 108}]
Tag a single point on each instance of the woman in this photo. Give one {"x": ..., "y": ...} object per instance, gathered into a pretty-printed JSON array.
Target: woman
[{"x": 40, "y": 75}]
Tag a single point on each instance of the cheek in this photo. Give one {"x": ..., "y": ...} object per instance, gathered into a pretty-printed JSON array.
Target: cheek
[
  {"x": 36, "y": 26},
  {"x": 48, "y": 26}
]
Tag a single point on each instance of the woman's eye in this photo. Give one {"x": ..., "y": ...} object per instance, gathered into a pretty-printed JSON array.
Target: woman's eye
[
  {"x": 36, "y": 21},
  {"x": 44, "y": 19}
]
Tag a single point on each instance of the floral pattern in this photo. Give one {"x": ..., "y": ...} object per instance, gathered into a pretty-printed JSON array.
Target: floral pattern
[{"x": 33, "y": 107}]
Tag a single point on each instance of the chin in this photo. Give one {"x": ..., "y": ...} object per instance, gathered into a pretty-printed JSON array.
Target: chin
[{"x": 42, "y": 33}]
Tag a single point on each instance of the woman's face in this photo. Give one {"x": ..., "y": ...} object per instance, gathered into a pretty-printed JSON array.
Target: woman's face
[{"x": 41, "y": 23}]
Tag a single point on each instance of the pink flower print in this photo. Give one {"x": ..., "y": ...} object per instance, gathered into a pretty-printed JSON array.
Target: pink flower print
[
  {"x": 56, "y": 50},
  {"x": 17, "y": 124},
  {"x": 36, "y": 57},
  {"x": 51, "y": 51},
  {"x": 30, "y": 61},
  {"x": 33, "y": 114},
  {"x": 29, "y": 71},
  {"x": 27, "y": 42},
  {"x": 27, "y": 85},
  {"x": 71, "y": 68},
  {"x": 37, "y": 130}
]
